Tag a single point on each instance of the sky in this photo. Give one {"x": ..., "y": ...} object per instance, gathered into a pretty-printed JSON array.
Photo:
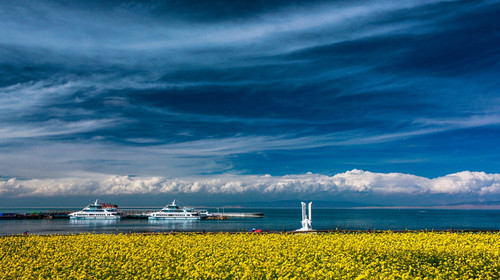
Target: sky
[{"x": 371, "y": 103}]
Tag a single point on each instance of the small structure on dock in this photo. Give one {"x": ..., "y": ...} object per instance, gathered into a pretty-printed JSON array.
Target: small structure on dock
[{"x": 306, "y": 220}]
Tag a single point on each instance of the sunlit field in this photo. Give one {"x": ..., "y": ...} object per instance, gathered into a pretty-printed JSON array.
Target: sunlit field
[{"x": 423, "y": 255}]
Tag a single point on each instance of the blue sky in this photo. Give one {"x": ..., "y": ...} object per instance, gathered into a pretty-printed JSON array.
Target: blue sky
[{"x": 239, "y": 100}]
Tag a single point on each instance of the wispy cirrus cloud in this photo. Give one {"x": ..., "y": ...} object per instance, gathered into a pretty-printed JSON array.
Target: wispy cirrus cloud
[
  {"x": 153, "y": 155},
  {"x": 168, "y": 88},
  {"x": 54, "y": 128},
  {"x": 137, "y": 32},
  {"x": 467, "y": 122}
]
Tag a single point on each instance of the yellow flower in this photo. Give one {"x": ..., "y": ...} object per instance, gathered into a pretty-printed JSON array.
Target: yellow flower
[{"x": 424, "y": 255}]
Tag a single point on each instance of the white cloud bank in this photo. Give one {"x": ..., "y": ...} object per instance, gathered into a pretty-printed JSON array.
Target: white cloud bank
[{"x": 354, "y": 181}]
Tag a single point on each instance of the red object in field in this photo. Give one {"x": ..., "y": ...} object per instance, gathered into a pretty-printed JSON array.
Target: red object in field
[{"x": 258, "y": 230}]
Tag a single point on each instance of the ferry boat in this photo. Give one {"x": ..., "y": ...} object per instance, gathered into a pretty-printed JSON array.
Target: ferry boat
[
  {"x": 174, "y": 212},
  {"x": 97, "y": 211}
]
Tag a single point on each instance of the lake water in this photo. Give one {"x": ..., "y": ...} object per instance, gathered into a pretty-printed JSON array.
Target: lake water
[{"x": 274, "y": 220}]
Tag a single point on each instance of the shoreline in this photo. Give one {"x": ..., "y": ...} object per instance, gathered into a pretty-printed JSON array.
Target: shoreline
[{"x": 368, "y": 231}]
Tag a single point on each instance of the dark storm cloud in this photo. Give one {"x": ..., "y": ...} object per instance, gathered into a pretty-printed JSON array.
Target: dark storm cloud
[{"x": 165, "y": 88}]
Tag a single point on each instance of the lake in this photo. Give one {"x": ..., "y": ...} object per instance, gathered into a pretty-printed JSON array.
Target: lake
[{"x": 275, "y": 219}]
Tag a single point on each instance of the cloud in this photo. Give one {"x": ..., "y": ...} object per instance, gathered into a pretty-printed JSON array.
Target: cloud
[
  {"x": 143, "y": 88},
  {"x": 53, "y": 128},
  {"x": 469, "y": 183},
  {"x": 120, "y": 28},
  {"x": 471, "y": 121},
  {"x": 40, "y": 149}
]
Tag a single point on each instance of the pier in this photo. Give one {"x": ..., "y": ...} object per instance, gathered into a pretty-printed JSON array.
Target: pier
[
  {"x": 124, "y": 214},
  {"x": 35, "y": 215}
]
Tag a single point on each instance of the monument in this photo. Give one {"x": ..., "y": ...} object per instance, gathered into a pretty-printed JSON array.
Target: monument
[{"x": 306, "y": 221}]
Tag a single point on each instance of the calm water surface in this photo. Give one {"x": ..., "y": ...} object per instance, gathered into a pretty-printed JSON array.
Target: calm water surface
[{"x": 274, "y": 220}]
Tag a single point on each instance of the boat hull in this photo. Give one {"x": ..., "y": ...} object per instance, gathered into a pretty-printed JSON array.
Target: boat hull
[
  {"x": 95, "y": 218},
  {"x": 173, "y": 218}
]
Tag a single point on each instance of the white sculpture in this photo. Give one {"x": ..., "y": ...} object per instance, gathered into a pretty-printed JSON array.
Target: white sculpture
[{"x": 306, "y": 221}]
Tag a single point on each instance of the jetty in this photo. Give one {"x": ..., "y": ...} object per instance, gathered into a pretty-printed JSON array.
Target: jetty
[
  {"x": 35, "y": 215},
  {"x": 124, "y": 214},
  {"x": 244, "y": 215}
]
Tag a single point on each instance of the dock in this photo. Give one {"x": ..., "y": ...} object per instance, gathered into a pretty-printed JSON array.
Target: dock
[
  {"x": 239, "y": 215},
  {"x": 124, "y": 214},
  {"x": 35, "y": 215}
]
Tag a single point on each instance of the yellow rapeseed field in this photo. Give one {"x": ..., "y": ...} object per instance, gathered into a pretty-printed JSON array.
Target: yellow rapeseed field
[{"x": 423, "y": 255}]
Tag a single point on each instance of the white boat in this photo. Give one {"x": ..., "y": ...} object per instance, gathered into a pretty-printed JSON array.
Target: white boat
[
  {"x": 174, "y": 212},
  {"x": 97, "y": 211}
]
